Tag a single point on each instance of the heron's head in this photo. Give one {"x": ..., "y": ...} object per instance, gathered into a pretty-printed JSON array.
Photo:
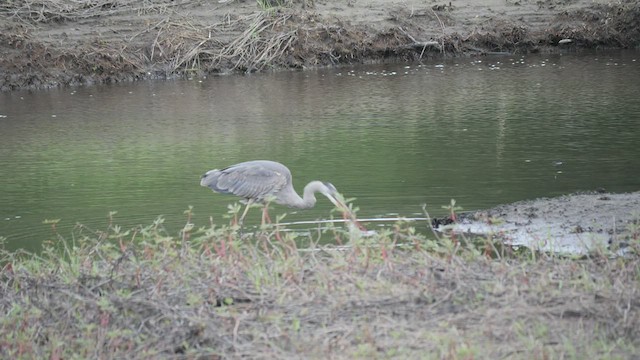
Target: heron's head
[
  {"x": 330, "y": 188},
  {"x": 205, "y": 179},
  {"x": 332, "y": 194},
  {"x": 336, "y": 198}
]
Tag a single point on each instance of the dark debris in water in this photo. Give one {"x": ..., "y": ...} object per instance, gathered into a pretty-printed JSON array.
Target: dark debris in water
[{"x": 437, "y": 222}]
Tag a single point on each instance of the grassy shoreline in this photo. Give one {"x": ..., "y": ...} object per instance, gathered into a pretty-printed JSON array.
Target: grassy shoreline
[{"x": 142, "y": 293}]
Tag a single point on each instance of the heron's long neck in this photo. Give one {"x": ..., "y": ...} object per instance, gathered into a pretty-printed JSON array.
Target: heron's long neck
[{"x": 308, "y": 199}]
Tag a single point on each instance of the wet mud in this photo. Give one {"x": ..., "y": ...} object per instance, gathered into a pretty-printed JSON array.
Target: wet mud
[{"x": 572, "y": 224}]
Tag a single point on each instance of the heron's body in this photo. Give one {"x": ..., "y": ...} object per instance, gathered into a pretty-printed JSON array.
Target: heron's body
[{"x": 262, "y": 181}]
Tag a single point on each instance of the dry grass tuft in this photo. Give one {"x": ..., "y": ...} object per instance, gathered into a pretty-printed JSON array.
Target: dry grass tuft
[
  {"x": 263, "y": 44},
  {"x": 186, "y": 46}
]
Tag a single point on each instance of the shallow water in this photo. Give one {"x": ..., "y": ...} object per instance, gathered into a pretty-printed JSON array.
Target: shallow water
[{"x": 483, "y": 131}]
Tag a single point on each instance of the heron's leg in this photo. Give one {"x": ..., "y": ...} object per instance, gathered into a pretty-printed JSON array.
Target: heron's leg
[
  {"x": 246, "y": 209},
  {"x": 265, "y": 214}
]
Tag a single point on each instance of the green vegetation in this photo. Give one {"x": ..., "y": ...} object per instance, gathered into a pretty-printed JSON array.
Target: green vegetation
[{"x": 143, "y": 293}]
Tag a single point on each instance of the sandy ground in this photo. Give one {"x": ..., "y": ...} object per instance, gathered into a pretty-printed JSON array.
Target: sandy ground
[
  {"x": 577, "y": 224},
  {"x": 48, "y": 43}
]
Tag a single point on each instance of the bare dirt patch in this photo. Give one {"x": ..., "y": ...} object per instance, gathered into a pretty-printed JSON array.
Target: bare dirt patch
[{"x": 46, "y": 43}]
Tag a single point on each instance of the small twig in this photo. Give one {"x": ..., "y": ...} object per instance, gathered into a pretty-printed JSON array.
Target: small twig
[
  {"x": 442, "y": 25},
  {"x": 416, "y": 43}
]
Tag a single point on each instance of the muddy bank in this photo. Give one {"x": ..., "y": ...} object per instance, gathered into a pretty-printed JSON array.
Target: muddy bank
[
  {"x": 49, "y": 43},
  {"x": 577, "y": 223}
]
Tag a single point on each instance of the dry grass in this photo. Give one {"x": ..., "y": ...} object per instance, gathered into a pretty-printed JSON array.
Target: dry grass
[
  {"x": 174, "y": 44},
  {"x": 180, "y": 42},
  {"x": 142, "y": 293},
  {"x": 262, "y": 40},
  {"x": 253, "y": 51},
  {"x": 44, "y": 11}
]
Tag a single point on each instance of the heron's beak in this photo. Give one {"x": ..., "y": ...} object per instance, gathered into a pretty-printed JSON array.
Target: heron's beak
[{"x": 337, "y": 201}]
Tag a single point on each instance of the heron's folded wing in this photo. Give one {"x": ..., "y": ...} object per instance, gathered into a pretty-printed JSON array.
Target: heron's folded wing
[{"x": 251, "y": 182}]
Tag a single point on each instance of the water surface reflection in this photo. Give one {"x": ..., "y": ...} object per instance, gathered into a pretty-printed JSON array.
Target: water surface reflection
[{"x": 484, "y": 132}]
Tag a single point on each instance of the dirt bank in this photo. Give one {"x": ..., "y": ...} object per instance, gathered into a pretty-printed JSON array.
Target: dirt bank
[
  {"x": 48, "y": 43},
  {"x": 577, "y": 223}
]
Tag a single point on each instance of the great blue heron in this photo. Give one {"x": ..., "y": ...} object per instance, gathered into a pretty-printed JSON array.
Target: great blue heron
[{"x": 261, "y": 181}]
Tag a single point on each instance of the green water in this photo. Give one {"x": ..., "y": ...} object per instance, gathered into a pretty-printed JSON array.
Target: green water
[{"x": 484, "y": 131}]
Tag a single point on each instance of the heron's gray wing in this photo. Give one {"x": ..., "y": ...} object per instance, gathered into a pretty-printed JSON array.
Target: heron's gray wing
[{"x": 255, "y": 181}]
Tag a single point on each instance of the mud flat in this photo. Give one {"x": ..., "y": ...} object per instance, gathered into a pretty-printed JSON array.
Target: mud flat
[
  {"x": 51, "y": 43},
  {"x": 573, "y": 224}
]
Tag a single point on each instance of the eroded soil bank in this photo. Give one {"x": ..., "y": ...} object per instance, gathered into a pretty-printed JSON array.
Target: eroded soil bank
[{"x": 50, "y": 43}]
